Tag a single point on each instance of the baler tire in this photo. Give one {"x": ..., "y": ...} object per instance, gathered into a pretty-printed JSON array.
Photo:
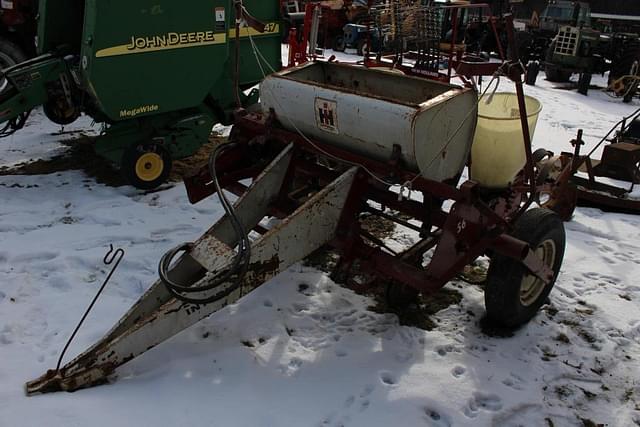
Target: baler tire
[
  {"x": 513, "y": 296},
  {"x": 10, "y": 54},
  {"x": 133, "y": 165},
  {"x": 58, "y": 117}
]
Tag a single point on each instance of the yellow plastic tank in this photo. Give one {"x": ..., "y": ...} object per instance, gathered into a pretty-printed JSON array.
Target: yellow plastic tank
[{"x": 498, "y": 151}]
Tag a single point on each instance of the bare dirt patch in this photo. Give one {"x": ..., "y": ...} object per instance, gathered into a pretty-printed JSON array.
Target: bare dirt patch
[{"x": 81, "y": 155}]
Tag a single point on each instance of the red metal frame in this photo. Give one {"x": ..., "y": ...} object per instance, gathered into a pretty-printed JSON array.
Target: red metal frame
[
  {"x": 473, "y": 226},
  {"x": 476, "y": 224}
]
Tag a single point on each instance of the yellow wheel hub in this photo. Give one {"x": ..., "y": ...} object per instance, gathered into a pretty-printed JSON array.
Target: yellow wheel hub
[{"x": 149, "y": 167}]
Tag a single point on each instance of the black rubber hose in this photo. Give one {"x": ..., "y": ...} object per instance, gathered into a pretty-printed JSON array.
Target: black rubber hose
[
  {"x": 14, "y": 125},
  {"x": 241, "y": 261}
]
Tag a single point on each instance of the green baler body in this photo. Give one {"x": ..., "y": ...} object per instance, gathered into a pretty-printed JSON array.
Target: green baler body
[
  {"x": 153, "y": 57},
  {"x": 152, "y": 69}
]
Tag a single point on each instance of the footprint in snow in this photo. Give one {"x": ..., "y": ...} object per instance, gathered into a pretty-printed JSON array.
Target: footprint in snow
[
  {"x": 443, "y": 350},
  {"x": 388, "y": 378},
  {"x": 482, "y": 401},
  {"x": 350, "y": 401},
  {"x": 292, "y": 367},
  {"x": 458, "y": 371},
  {"x": 514, "y": 381},
  {"x": 342, "y": 352},
  {"x": 297, "y": 307},
  {"x": 435, "y": 418},
  {"x": 367, "y": 390},
  {"x": 352, "y": 405},
  {"x": 305, "y": 290}
]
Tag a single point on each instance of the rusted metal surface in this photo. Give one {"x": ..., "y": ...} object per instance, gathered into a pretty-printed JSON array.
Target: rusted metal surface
[
  {"x": 592, "y": 193},
  {"x": 157, "y": 317},
  {"x": 620, "y": 161},
  {"x": 431, "y": 123},
  {"x": 250, "y": 208},
  {"x": 606, "y": 201}
]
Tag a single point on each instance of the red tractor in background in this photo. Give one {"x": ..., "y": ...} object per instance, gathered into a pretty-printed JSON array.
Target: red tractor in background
[
  {"x": 18, "y": 29},
  {"x": 335, "y": 14}
]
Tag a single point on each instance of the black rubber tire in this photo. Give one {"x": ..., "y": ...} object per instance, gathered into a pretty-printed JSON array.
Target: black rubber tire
[
  {"x": 401, "y": 296},
  {"x": 584, "y": 83},
  {"x": 10, "y": 55},
  {"x": 53, "y": 113},
  {"x": 503, "y": 298},
  {"x": 629, "y": 94},
  {"x": 362, "y": 47},
  {"x": 540, "y": 154},
  {"x": 556, "y": 75},
  {"x": 130, "y": 159},
  {"x": 533, "y": 69},
  {"x": 524, "y": 40},
  {"x": 626, "y": 54},
  {"x": 339, "y": 44}
]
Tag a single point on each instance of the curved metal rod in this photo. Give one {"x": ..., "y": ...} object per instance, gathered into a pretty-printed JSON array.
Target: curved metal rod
[{"x": 108, "y": 259}]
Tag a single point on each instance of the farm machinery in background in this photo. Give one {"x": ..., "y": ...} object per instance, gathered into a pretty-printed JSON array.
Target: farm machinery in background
[
  {"x": 422, "y": 39},
  {"x": 335, "y": 16},
  {"x": 139, "y": 78},
  {"x": 563, "y": 42},
  {"x": 18, "y": 29},
  {"x": 332, "y": 144},
  {"x": 608, "y": 183}
]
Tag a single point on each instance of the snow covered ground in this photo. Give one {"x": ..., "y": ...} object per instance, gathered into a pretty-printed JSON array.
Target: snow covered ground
[{"x": 303, "y": 351}]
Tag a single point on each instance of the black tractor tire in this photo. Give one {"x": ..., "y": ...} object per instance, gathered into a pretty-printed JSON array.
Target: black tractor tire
[
  {"x": 556, "y": 75},
  {"x": 524, "y": 43},
  {"x": 628, "y": 52},
  {"x": 630, "y": 93},
  {"x": 146, "y": 166},
  {"x": 584, "y": 83},
  {"x": 513, "y": 296},
  {"x": 339, "y": 44},
  {"x": 58, "y": 114},
  {"x": 362, "y": 46},
  {"x": 10, "y": 54},
  {"x": 401, "y": 296},
  {"x": 533, "y": 69}
]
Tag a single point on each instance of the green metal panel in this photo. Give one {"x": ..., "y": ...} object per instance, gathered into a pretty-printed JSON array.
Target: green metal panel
[
  {"x": 148, "y": 57},
  {"x": 30, "y": 82},
  {"x": 153, "y": 70},
  {"x": 60, "y": 25},
  {"x": 151, "y": 57}
]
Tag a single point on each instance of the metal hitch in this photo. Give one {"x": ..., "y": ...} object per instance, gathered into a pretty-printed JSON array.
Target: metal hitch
[{"x": 157, "y": 316}]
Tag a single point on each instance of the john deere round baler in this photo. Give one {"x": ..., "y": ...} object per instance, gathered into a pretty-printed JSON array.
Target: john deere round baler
[{"x": 157, "y": 73}]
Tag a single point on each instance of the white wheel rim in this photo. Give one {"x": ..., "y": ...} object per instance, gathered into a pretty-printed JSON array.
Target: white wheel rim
[
  {"x": 532, "y": 286},
  {"x": 5, "y": 62}
]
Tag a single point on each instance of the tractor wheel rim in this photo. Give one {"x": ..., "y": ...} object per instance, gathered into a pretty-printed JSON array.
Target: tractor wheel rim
[
  {"x": 532, "y": 286},
  {"x": 149, "y": 167},
  {"x": 5, "y": 62}
]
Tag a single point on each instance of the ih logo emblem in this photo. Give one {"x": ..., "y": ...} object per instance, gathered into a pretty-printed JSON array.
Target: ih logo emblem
[{"x": 326, "y": 115}]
